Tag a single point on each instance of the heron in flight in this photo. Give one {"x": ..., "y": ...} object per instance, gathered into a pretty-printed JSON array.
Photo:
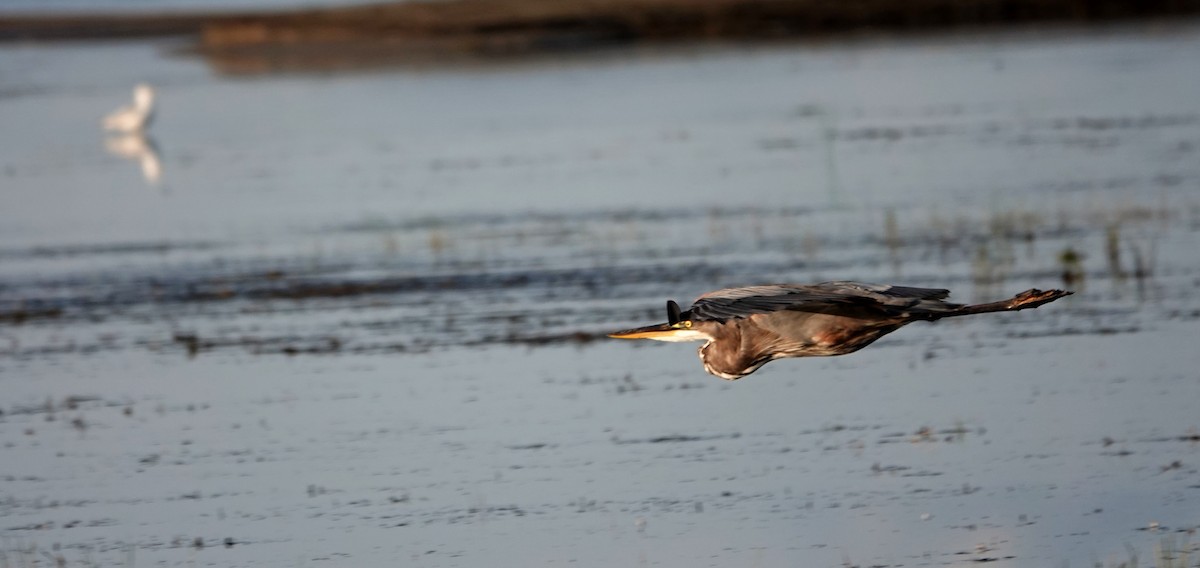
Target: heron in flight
[{"x": 746, "y": 328}]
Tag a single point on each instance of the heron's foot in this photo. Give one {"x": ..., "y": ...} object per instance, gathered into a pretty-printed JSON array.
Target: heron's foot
[{"x": 1033, "y": 298}]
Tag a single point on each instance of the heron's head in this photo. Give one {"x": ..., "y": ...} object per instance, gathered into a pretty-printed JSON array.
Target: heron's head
[{"x": 676, "y": 329}]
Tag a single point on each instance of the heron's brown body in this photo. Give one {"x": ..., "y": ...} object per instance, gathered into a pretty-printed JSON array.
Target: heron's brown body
[{"x": 745, "y": 328}]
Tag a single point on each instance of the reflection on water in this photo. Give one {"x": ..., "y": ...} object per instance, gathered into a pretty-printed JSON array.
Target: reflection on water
[{"x": 138, "y": 147}]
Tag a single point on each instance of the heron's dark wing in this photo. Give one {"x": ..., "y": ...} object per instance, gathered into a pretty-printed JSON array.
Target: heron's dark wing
[{"x": 849, "y": 299}]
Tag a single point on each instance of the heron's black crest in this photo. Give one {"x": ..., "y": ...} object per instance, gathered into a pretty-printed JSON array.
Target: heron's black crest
[{"x": 672, "y": 312}]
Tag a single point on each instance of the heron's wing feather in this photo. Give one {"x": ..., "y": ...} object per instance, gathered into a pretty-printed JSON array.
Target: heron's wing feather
[{"x": 850, "y": 299}]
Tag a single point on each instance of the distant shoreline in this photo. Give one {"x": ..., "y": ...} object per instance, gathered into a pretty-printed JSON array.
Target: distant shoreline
[{"x": 248, "y": 42}]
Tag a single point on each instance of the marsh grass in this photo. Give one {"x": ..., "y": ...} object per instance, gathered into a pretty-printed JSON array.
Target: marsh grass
[
  {"x": 15, "y": 553},
  {"x": 1168, "y": 553}
]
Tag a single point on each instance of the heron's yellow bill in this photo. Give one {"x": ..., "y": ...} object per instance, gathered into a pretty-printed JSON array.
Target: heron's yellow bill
[{"x": 660, "y": 331}]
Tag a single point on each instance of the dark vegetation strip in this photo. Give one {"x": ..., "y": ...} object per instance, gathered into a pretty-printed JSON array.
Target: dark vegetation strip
[{"x": 546, "y": 24}]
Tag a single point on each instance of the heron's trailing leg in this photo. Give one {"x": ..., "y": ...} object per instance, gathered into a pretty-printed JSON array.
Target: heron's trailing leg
[{"x": 1031, "y": 298}]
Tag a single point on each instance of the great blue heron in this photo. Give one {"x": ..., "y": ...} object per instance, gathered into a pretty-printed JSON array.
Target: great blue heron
[
  {"x": 745, "y": 328},
  {"x": 135, "y": 117}
]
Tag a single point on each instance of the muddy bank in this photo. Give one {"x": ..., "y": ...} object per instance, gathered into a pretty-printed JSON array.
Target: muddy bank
[
  {"x": 98, "y": 26},
  {"x": 380, "y": 34},
  {"x": 505, "y": 25}
]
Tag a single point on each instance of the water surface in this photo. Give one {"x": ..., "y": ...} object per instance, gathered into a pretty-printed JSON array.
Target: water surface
[{"x": 357, "y": 320}]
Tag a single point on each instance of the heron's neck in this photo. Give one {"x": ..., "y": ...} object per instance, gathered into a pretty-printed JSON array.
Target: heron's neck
[{"x": 143, "y": 102}]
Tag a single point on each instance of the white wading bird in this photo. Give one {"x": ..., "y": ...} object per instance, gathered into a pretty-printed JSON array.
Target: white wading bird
[{"x": 135, "y": 117}]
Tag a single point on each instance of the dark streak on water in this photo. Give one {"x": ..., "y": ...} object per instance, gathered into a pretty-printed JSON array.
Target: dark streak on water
[{"x": 516, "y": 299}]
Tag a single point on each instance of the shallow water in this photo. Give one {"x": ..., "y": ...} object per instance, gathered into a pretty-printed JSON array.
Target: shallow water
[{"x": 358, "y": 319}]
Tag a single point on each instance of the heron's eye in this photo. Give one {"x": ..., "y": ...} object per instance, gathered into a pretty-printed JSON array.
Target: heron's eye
[{"x": 687, "y": 324}]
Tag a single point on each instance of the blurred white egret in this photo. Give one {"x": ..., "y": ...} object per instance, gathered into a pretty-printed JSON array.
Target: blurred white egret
[{"x": 135, "y": 117}]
